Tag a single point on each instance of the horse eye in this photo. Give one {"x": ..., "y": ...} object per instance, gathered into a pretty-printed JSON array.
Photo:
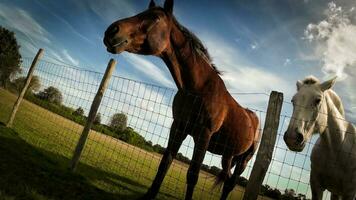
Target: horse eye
[
  {"x": 149, "y": 23},
  {"x": 317, "y": 102}
]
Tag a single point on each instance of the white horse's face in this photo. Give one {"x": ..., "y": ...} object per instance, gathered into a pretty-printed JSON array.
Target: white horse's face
[{"x": 308, "y": 103}]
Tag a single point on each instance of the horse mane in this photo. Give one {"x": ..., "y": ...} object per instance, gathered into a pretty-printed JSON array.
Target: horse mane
[
  {"x": 337, "y": 101},
  {"x": 196, "y": 44},
  {"x": 311, "y": 80}
]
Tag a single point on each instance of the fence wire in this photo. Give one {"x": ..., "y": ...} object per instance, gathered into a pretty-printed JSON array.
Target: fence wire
[{"x": 126, "y": 162}]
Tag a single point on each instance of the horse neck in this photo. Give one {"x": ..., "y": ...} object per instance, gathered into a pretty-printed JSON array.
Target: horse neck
[
  {"x": 333, "y": 125},
  {"x": 189, "y": 69},
  {"x": 337, "y": 101}
]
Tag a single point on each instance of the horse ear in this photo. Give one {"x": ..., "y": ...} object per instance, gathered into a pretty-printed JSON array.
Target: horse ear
[
  {"x": 299, "y": 84},
  {"x": 152, "y": 4},
  {"x": 168, "y": 6},
  {"x": 328, "y": 84}
]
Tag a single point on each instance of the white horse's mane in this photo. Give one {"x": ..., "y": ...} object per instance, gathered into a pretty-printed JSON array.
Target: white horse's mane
[{"x": 310, "y": 80}]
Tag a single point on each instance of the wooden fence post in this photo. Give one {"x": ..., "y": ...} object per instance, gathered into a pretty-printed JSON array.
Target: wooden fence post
[
  {"x": 93, "y": 111},
  {"x": 24, "y": 89},
  {"x": 265, "y": 152}
]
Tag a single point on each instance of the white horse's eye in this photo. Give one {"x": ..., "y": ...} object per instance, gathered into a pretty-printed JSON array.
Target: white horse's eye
[{"x": 317, "y": 102}]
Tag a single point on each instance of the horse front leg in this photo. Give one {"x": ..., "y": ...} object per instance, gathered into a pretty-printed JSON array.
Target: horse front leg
[
  {"x": 201, "y": 144},
  {"x": 317, "y": 190},
  {"x": 176, "y": 138}
]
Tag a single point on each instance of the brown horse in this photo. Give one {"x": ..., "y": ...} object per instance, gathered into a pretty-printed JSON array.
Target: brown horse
[{"x": 202, "y": 107}]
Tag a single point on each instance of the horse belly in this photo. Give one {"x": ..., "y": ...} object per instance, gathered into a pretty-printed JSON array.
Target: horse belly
[
  {"x": 218, "y": 144},
  {"x": 221, "y": 143}
]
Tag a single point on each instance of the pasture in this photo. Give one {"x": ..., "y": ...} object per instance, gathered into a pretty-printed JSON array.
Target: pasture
[{"x": 38, "y": 150}]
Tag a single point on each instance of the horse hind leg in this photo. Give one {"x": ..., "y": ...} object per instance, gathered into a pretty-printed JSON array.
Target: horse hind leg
[
  {"x": 241, "y": 163},
  {"x": 225, "y": 174}
]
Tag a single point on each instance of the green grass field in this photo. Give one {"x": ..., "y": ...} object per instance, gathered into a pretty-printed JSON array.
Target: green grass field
[{"x": 35, "y": 155}]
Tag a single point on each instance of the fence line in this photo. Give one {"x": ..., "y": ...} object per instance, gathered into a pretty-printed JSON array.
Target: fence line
[{"x": 149, "y": 113}]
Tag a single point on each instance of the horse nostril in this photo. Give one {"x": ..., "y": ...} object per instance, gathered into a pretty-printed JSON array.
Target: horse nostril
[
  {"x": 300, "y": 137},
  {"x": 112, "y": 30}
]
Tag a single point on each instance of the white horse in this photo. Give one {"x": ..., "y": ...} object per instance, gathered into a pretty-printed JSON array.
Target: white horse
[{"x": 318, "y": 109}]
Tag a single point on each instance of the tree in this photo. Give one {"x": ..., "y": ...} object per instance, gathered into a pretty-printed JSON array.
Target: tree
[
  {"x": 79, "y": 112},
  {"x": 215, "y": 170},
  {"x": 158, "y": 148},
  {"x": 289, "y": 192},
  {"x": 52, "y": 95},
  {"x": 34, "y": 85},
  {"x": 10, "y": 58},
  {"x": 118, "y": 122},
  {"x": 97, "y": 119}
]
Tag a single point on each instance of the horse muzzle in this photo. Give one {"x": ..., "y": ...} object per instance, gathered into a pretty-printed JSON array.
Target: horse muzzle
[
  {"x": 115, "y": 45},
  {"x": 294, "y": 143}
]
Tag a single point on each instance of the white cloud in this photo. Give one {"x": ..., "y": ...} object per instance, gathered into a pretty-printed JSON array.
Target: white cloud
[
  {"x": 340, "y": 51},
  {"x": 69, "y": 58},
  {"x": 335, "y": 45},
  {"x": 149, "y": 69},
  {"x": 335, "y": 41},
  {"x": 23, "y": 22}
]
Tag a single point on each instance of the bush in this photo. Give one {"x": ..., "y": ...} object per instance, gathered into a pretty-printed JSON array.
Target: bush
[
  {"x": 215, "y": 170},
  {"x": 118, "y": 122},
  {"x": 34, "y": 85},
  {"x": 182, "y": 158},
  {"x": 79, "y": 112},
  {"x": 242, "y": 181},
  {"x": 159, "y": 149},
  {"x": 52, "y": 95},
  {"x": 97, "y": 119}
]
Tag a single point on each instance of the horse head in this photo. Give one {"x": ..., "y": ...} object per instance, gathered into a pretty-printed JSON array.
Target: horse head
[
  {"x": 146, "y": 33},
  {"x": 309, "y": 112}
]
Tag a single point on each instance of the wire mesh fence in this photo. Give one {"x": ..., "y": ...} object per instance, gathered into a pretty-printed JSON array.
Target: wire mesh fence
[{"x": 127, "y": 160}]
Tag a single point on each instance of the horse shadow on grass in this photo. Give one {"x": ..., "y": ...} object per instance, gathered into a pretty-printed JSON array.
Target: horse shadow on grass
[{"x": 28, "y": 172}]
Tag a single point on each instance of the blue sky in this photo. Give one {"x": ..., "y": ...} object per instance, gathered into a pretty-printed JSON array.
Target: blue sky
[{"x": 260, "y": 45}]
